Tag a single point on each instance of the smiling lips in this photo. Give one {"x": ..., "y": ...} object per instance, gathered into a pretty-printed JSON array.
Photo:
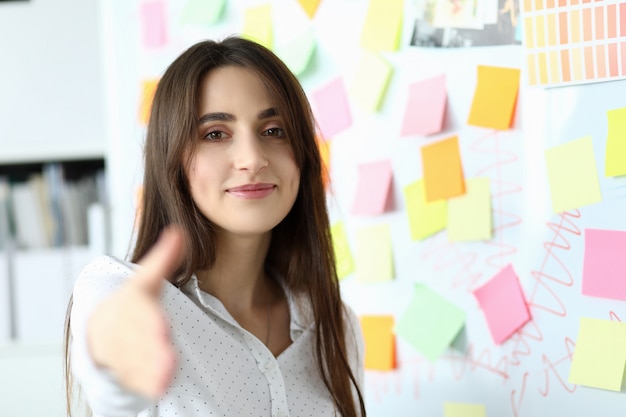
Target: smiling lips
[{"x": 252, "y": 191}]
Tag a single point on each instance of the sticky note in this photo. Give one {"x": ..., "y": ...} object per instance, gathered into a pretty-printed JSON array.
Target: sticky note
[
  {"x": 442, "y": 169},
  {"x": 371, "y": 81},
  {"x": 463, "y": 410},
  {"x": 600, "y": 354},
  {"x": 615, "y": 163},
  {"x": 202, "y": 12},
  {"x": 153, "y": 19},
  {"x": 572, "y": 175},
  {"x": 331, "y": 108},
  {"x": 297, "y": 53},
  {"x": 374, "y": 255},
  {"x": 604, "y": 264},
  {"x": 341, "y": 246},
  {"x": 379, "y": 340},
  {"x": 503, "y": 304},
  {"x": 258, "y": 25},
  {"x": 148, "y": 88},
  {"x": 373, "y": 187},
  {"x": 425, "y": 110},
  {"x": 495, "y": 96},
  {"x": 383, "y": 25},
  {"x": 469, "y": 215},
  {"x": 309, "y": 6},
  {"x": 324, "y": 147},
  {"x": 425, "y": 218},
  {"x": 430, "y": 323}
]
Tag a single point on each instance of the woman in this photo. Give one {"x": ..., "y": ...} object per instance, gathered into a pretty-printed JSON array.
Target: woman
[{"x": 250, "y": 321}]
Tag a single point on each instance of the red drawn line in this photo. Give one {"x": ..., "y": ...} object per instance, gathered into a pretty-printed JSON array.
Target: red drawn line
[
  {"x": 551, "y": 369},
  {"x": 462, "y": 363}
]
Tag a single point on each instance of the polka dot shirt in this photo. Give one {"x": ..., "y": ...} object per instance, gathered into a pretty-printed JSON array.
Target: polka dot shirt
[{"x": 223, "y": 370}]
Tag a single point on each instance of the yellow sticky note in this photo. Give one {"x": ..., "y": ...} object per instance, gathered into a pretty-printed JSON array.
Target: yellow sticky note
[
  {"x": 374, "y": 257},
  {"x": 572, "y": 175},
  {"x": 309, "y": 6},
  {"x": 615, "y": 163},
  {"x": 148, "y": 88},
  {"x": 442, "y": 169},
  {"x": 425, "y": 218},
  {"x": 383, "y": 25},
  {"x": 371, "y": 81},
  {"x": 258, "y": 25},
  {"x": 298, "y": 52},
  {"x": 463, "y": 410},
  {"x": 379, "y": 340},
  {"x": 343, "y": 256},
  {"x": 469, "y": 215},
  {"x": 495, "y": 96},
  {"x": 600, "y": 355}
]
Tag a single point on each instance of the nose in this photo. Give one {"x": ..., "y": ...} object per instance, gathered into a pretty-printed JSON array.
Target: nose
[{"x": 249, "y": 153}]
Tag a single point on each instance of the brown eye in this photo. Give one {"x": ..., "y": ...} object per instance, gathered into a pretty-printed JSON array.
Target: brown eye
[
  {"x": 274, "y": 131},
  {"x": 214, "y": 135}
]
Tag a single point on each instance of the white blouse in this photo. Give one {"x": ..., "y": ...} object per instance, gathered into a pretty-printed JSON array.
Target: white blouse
[{"x": 223, "y": 370}]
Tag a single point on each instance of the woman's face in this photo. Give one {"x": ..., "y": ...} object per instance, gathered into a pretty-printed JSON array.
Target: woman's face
[{"x": 243, "y": 176}]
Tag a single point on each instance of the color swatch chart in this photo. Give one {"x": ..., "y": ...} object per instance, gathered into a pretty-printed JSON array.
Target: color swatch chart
[{"x": 574, "y": 41}]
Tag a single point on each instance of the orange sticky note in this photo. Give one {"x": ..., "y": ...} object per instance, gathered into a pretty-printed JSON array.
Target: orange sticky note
[
  {"x": 324, "y": 148},
  {"x": 442, "y": 169},
  {"x": 380, "y": 343},
  {"x": 495, "y": 96},
  {"x": 148, "y": 89}
]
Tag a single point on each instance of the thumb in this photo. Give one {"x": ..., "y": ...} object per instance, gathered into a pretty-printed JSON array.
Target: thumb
[{"x": 161, "y": 261}]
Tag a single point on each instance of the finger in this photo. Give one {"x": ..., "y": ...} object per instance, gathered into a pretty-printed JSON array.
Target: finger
[{"x": 161, "y": 261}]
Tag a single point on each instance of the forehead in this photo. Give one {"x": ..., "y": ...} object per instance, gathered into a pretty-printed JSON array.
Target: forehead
[{"x": 233, "y": 85}]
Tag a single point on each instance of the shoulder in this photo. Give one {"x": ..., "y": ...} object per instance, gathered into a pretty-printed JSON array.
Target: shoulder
[{"x": 102, "y": 275}]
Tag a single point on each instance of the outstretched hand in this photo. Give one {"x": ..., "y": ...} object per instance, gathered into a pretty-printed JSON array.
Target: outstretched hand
[{"x": 128, "y": 333}]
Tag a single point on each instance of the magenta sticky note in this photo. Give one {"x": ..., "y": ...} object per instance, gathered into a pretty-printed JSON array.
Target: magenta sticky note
[
  {"x": 604, "y": 264},
  {"x": 373, "y": 188},
  {"x": 331, "y": 108},
  {"x": 503, "y": 304},
  {"x": 153, "y": 18},
  {"x": 426, "y": 107}
]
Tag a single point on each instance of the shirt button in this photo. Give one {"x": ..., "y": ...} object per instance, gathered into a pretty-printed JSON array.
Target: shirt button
[
  {"x": 281, "y": 413},
  {"x": 269, "y": 365}
]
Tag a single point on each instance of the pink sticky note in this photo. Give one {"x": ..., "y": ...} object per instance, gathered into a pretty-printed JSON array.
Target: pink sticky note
[
  {"x": 503, "y": 304},
  {"x": 332, "y": 110},
  {"x": 373, "y": 188},
  {"x": 604, "y": 264},
  {"x": 153, "y": 18},
  {"x": 426, "y": 107}
]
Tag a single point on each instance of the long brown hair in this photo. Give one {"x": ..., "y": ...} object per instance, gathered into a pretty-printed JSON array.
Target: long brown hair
[{"x": 301, "y": 249}]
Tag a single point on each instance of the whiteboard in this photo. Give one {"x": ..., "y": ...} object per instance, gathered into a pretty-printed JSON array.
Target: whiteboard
[{"x": 527, "y": 375}]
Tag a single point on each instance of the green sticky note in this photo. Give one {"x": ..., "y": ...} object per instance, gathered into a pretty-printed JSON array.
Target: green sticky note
[
  {"x": 463, "y": 410},
  {"x": 202, "y": 12},
  {"x": 258, "y": 25},
  {"x": 374, "y": 257},
  {"x": 425, "y": 218},
  {"x": 343, "y": 256},
  {"x": 615, "y": 163},
  {"x": 600, "y": 355},
  {"x": 572, "y": 175},
  {"x": 430, "y": 323},
  {"x": 371, "y": 81},
  {"x": 469, "y": 215},
  {"x": 383, "y": 25},
  {"x": 297, "y": 53}
]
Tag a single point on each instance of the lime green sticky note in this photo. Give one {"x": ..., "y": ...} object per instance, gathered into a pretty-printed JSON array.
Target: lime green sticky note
[
  {"x": 298, "y": 52},
  {"x": 463, "y": 410},
  {"x": 600, "y": 355},
  {"x": 383, "y": 25},
  {"x": 371, "y": 80},
  {"x": 374, "y": 256},
  {"x": 425, "y": 218},
  {"x": 615, "y": 163},
  {"x": 572, "y": 175},
  {"x": 343, "y": 256},
  {"x": 202, "y": 12},
  {"x": 258, "y": 25},
  {"x": 469, "y": 215},
  {"x": 430, "y": 323}
]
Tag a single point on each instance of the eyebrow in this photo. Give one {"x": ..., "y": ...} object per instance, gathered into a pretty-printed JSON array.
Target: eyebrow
[{"x": 228, "y": 117}]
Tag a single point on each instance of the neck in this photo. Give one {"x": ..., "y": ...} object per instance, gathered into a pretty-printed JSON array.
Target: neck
[{"x": 238, "y": 278}]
